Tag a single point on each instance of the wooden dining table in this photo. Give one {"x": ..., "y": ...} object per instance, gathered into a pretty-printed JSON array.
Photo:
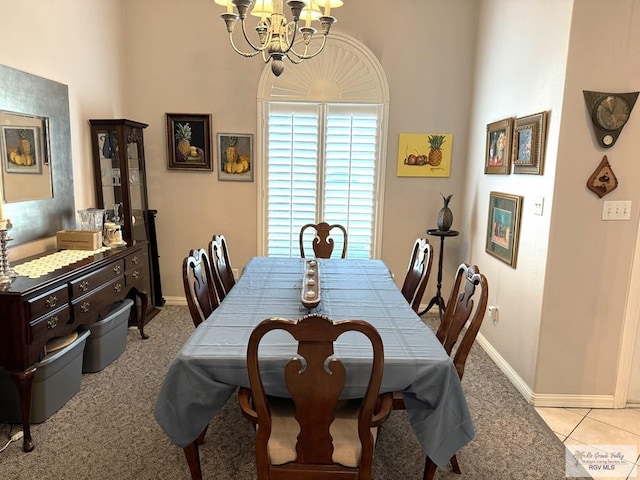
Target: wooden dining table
[{"x": 212, "y": 363}]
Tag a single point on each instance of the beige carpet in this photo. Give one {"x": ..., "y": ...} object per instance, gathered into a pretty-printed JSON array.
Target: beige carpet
[{"x": 107, "y": 430}]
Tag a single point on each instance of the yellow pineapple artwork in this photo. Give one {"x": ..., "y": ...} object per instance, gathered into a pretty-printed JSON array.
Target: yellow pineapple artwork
[
  {"x": 185, "y": 152},
  {"x": 189, "y": 141},
  {"x": 22, "y": 149},
  {"x": 424, "y": 155},
  {"x": 235, "y": 160}
]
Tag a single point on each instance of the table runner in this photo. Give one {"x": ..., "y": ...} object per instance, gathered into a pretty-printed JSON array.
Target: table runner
[{"x": 212, "y": 363}]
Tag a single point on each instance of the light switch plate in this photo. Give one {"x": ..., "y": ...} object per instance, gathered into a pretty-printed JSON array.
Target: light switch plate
[
  {"x": 538, "y": 205},
  {"x": 616, "y": 210}
]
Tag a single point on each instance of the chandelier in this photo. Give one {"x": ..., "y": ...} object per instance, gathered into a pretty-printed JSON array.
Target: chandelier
[{"x": 276, "y": 34}]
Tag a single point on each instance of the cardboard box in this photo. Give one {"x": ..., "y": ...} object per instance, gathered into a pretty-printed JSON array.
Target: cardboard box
[{"x": 79, "y": 239}]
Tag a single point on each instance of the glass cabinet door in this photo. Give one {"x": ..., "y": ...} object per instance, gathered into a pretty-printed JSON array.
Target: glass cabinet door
[
  {"x": 137, "y": 188},
  {"x": 118, "y": 147},
  {"x": 111, "y": 175},
  {"x": 121, "y": 190}
]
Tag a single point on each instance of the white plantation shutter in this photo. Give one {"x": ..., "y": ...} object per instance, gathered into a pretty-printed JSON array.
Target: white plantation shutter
[
  {"x": 322, "y": 165},
  {"x": 291, "y": 172},
  {"x": 350, "y": 173}
]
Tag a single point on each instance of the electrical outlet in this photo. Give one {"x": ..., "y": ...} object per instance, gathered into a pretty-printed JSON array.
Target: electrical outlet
[
  {"x": 236, "y": 273},
  {"x": 492, "y": 310}
]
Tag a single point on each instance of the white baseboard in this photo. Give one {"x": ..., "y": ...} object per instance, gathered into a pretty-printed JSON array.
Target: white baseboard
[
  {"x": 543, "y": 399},
  {"x": 175, "y": 301},
  {"x": 502, "y": 364}
]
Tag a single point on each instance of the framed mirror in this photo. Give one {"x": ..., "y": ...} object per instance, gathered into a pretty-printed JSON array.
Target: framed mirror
[{"x": 35, "y": 146}]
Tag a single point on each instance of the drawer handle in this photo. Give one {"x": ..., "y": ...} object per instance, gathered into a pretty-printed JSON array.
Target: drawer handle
[
  {"x": 135, "y": 274},
  {"x": 84, "y": 285},
  {"x": 52, "y": 301},
  {"x": 117, "y": 287},
  {"x": 52, "y": 322},
  {"x": 135, "y": 260},
  {"x": 116, "y": 269},
  {"x": 84, "y": 308}
]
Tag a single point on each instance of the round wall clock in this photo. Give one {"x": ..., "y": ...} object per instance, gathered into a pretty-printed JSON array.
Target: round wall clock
[{"x": 610, "y": 112}]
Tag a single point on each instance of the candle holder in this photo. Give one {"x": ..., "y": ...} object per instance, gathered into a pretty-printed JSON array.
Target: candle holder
[{"x": 7, "y": 274}]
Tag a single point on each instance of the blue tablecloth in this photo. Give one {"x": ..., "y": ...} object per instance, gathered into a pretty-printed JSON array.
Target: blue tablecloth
[{"x": 212, "y": 363}]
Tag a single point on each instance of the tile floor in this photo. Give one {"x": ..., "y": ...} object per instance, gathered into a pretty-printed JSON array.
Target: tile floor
[{"x": 595, "y": 426}]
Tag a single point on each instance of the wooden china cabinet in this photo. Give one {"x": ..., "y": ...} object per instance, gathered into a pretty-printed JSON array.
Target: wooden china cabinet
[{"x": 121, "y": 189}]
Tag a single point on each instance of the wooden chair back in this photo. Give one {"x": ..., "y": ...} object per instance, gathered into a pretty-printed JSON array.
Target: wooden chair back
[
  {"x": 198, "y": 285},
  {"x": 322, "y": 242},
  {"x": 470, "y": 288},
  {"x": 315, "y": 385},
  {"x": 221, "y": 266},
  {"x": 415, "y": 281}
]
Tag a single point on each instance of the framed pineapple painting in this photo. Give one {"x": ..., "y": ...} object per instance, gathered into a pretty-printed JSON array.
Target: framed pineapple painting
[
  {"x": 424, "y": 155},
  {"x": 235, "y": 157},
  {"x": 189, "y": 141},
  {"x": 22, "y": 149}
]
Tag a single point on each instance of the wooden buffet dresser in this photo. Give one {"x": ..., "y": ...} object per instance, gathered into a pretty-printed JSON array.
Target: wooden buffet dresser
[{"x": 35, "y": 310}]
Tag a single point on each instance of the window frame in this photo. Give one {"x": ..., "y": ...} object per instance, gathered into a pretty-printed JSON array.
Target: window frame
[
  {"x": 324, "y": 111},
  {"x": 347, "y": 73}
]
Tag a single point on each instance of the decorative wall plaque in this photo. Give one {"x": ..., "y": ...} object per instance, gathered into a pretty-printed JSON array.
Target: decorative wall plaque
[{"x": 602, "y": 181}]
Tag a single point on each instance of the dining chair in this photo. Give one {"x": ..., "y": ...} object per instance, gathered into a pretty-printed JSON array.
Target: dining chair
[
  {"x": 221, "y": 266},
  {"x": 322, "y": 242},
  {"x": 466, "y": 306},
  {"x": 413, "y": 287},
  {"x": 417, "y": 276},
  {"x": 198, "y": 285},
  {"x": 314, "y": 434}
]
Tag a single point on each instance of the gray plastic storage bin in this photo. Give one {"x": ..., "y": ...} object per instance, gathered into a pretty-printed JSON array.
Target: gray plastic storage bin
[
  {"x": 108, "y": 338},
  {"x": 55, "y": 382}
]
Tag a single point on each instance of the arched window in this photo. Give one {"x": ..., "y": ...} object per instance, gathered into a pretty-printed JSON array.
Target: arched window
[{"x": 322, "y": 135}]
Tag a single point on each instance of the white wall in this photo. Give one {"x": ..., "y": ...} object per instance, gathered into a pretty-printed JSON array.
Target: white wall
[{"x": 522, "y": 50}]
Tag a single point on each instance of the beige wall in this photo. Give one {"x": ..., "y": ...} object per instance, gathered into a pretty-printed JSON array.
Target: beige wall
[
  {"x": 170, "y": 68},
  {"x": 452, "y": 66},
  {"x": 589, "y": 262},
  {"x": 78, "y": 43}
]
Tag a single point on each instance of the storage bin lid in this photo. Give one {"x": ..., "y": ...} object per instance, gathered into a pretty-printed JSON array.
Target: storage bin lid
[{"x": 59, "y": 343}]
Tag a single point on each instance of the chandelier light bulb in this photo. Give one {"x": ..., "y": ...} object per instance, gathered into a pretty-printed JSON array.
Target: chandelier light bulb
[{"x": 275, "y": 34}]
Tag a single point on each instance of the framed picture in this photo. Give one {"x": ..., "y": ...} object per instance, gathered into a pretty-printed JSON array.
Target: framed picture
[
  {"x": 529, "y": 141},
  {"x": 503, "y": 226},
  {"x": 24, "y": 148},
  {"x": 424, "y": 155},
  {"x": 235, "y": 157},
  {"x": 498, "y": 153},
  {"x": 189, "y": 141}
]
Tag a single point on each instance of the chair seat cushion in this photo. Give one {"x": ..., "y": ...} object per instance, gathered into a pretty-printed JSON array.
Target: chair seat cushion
[{"x": 344, "y": 430}]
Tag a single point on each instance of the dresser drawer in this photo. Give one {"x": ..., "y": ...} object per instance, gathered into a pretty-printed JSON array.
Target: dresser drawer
[
  {"x": 136, "y": 273},
  {"x": 137, "y": 278},
  {"x": 88, "y": 309},
  {"x": 53, "y": 324},
  {"x": 48, "y": 302},
  {"x": 84, "y": 285},
  {"x": 136, "y": 259}
]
